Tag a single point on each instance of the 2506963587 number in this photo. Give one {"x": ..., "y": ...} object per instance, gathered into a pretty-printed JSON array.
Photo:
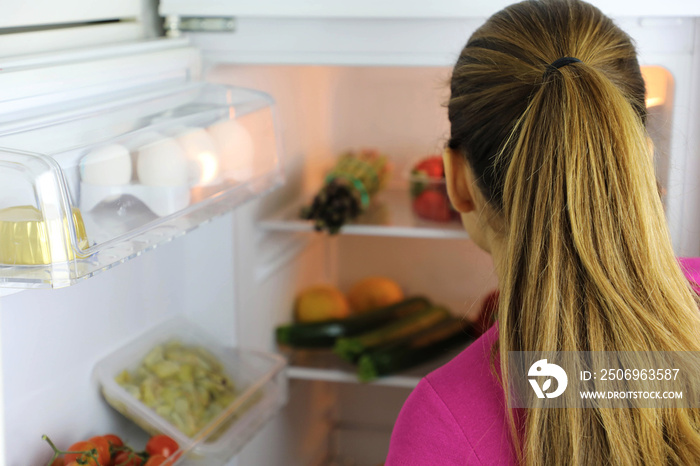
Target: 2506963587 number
[{"x": 639, "y": 374}]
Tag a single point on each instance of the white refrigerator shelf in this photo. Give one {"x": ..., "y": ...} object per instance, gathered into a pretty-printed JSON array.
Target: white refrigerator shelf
[
  {"x": 324, "y": 365},
  {"x": 88, "y": 187},
  {"x": 389, "y": 215}
]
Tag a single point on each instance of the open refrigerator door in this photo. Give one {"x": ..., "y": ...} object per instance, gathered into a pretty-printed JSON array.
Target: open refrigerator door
[{"x": 110, "y": 151}]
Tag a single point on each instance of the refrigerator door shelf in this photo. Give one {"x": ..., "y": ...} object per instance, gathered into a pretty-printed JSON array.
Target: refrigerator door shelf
[{"x": 87, "y": 188}]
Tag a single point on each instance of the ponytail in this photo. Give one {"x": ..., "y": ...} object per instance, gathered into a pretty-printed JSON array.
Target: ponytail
[
  {"x": 580, "y": 179},
  {"x": 569, "y": 179}
]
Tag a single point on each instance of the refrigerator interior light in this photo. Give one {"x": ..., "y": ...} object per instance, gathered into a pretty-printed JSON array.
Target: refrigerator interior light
[
  {"x": 659, "y": 82},
  {"x": 209, "y": 165},
  {"x": 201, "y": 154}
]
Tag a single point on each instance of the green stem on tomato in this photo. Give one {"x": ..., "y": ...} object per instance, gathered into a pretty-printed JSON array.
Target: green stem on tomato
[{"x": 57, "y": 452}]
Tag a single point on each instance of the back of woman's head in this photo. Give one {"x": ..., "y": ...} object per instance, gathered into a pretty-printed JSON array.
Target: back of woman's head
[
  {"x": 560, "y": 154},
  {"x": 506, "y": 63}
]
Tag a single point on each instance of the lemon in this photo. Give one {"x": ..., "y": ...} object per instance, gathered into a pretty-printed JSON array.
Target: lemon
[{"x": 319, "y": 303}]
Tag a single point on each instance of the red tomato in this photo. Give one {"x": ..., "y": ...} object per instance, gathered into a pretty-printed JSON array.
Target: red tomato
[
  {"x": 58, "y": 462},
  {"x": 161, "y": 445},
  {"x": 114, "y": 440},
  {"x": 82, "y": 447},
  {"x": 102, "y": 448},
  {"x": 125, "y": 458},
  {"x": 158, "y": 460},
  {"x": 432, "y": 205},
  {"x": 432, "y": 166}
]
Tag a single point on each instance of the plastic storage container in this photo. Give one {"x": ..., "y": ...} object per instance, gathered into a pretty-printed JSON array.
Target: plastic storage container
[
  {"x": 83, "y": 189},
  {"x": 259, "y": 378}
]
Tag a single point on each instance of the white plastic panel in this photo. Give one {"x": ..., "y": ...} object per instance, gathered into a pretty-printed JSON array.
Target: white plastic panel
[
  {"x": 404, "y": 9},
  {"x": 25, "y": 43},
  {"x": 391, "y": 42},
  {"x": 339, "y": 41},
  {"x": 683, "y": 187},
  {"x": 33, "y": 82},
  {"x": 46, "y": 12}
]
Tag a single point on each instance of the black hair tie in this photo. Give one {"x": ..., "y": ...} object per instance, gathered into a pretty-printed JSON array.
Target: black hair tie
[{"x": 558, "y": 63}]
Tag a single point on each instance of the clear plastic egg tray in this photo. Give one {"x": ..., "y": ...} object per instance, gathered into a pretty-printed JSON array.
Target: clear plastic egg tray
[{"x": 85, "y": 188}]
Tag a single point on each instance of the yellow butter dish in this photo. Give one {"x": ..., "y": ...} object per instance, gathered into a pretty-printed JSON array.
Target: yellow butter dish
[{"x": 27, "y": 239}]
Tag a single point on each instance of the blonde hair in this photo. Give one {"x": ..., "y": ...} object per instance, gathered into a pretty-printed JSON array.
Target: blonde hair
[{"x": 561, "y": 156}]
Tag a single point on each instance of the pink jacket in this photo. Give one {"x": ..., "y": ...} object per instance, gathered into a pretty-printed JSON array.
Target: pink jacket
[{"x": 456, "y": 415}]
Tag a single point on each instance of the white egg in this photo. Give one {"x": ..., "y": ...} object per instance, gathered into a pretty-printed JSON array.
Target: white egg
[
  {"x": 161, "y": 163},
  {"x": 235, "y": 147},
  {"x": 136, "y": 140},
  {"x": 106, "y": 166},
  {"x": 203, "y": 161}
]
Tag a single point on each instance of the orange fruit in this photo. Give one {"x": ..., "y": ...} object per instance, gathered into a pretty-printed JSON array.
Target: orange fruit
[
  {"x": 319, "y": 303},
  {"x": 374, "y": 292}
]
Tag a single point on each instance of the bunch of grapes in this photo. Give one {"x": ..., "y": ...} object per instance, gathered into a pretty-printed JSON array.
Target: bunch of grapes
[{"x": 334, "y": 205}]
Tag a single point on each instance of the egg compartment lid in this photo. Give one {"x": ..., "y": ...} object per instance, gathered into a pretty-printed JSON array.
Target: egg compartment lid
[
  {"x": 83, "y": 188},
  {"x": 259, "y": 377}
]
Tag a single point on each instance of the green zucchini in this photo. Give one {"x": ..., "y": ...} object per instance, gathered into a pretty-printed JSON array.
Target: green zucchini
[
  {"x": 324, "y": 334},
  {"x": 412, "y": 351},
  {"x": 352, "y": 347}
]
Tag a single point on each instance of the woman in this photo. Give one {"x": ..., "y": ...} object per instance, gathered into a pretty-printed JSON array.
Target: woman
[{"x": 549, "y": 164}]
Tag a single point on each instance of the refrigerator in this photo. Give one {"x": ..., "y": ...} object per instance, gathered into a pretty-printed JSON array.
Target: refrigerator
[{"x": 308, "y": 80}]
